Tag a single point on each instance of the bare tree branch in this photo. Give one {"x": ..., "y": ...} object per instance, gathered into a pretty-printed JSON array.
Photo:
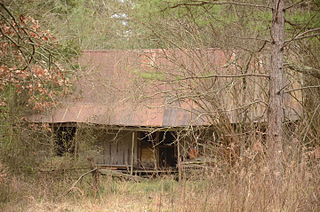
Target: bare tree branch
[
  {"x": 295, "y": 4},
  {"x": 222, "y": 76},
  {"x": 308, "y": 31},
  {"x": 16, "y": 26},
  {"x": 303, "y": 35},
  {"x": 251, "y": 38},
  {"x": 214, "y": 2},
  {"x": 304, "y": 70},
  {"x": 308, "y": 36}
]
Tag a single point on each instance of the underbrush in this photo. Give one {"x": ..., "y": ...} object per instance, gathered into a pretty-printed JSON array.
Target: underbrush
[
  {"x": 33, "y": 179},
  {"x": 240, "y": 190}
]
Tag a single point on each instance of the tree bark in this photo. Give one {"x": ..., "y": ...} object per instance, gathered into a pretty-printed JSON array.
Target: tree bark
[{"x": 276, "y": 90}]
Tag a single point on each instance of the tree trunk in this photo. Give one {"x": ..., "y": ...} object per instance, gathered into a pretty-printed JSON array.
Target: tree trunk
[{"x": 275, "y": 110}]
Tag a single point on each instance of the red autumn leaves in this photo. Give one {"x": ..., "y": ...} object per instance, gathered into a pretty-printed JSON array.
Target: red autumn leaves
[{"x": 29, "y": 62}]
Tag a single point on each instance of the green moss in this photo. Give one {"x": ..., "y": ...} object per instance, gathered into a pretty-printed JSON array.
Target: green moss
[{"x": 150, "y": 75}]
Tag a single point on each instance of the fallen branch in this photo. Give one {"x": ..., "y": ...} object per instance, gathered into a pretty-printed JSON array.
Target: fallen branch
[{"x": 75, "y": 183}]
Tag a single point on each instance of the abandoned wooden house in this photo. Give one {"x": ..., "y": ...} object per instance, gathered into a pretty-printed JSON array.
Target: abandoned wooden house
[{"x": 138, "y": 103}]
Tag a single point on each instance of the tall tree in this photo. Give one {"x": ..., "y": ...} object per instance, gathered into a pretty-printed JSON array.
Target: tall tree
[
  {"x": 276, "y": 86},
  {"x": 255, "y": 27}
]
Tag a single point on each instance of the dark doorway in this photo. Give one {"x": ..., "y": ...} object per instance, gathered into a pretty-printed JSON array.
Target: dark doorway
[
  {"x": 64, "y": 140},
  {"x": 157, "y": 149},
  {"x": 167, "y": 149},
  {"x": 167, "y": 157}
]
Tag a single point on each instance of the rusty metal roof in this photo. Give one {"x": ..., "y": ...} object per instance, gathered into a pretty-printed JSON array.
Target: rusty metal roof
[{"x": 122, "y": 87}]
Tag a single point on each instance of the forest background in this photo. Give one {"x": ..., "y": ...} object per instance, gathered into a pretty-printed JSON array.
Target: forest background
[{"x": 40, "y": 40}]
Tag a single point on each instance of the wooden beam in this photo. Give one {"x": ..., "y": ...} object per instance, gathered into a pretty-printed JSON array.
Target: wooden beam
[
  {"x": 155, "y": 147},
  {"x": 132, "y": 151},
  {"x": 179, "y": 159}
]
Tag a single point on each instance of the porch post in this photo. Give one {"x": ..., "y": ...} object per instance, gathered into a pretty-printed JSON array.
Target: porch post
[
  {"x": 179, "y": 159},
  {"x": 132, "y": 151}
]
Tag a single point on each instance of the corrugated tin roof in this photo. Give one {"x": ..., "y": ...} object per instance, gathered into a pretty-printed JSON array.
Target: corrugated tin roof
[{"x": 119, "y": 87}]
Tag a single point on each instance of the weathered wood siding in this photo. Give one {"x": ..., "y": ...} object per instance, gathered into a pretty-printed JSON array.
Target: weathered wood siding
[
  {"x": 117, "y": 148},
  {"x": 148, "y": 157}
]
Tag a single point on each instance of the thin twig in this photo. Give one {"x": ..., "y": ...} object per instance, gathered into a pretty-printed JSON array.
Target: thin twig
[{"x": 302, "y": 88}]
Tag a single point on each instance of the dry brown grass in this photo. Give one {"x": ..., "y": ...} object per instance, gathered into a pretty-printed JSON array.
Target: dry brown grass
[
  {"x": 246, "y": 186},
  {"x": 242, "y": 189}
]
